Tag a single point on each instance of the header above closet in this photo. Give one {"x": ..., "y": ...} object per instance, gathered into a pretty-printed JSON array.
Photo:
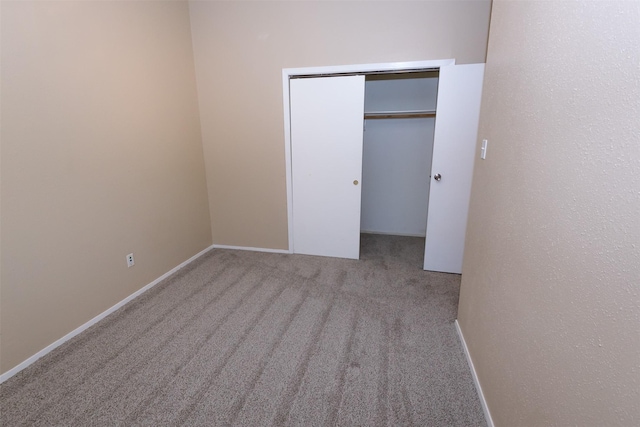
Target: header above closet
[{"x": 390, "y": 74}]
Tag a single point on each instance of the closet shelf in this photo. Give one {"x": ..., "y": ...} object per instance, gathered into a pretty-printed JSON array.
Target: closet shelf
[{"x": 409, "y": 114}]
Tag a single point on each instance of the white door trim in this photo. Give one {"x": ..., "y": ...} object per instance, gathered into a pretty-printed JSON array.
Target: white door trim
[{"x": 288, "y": 73}]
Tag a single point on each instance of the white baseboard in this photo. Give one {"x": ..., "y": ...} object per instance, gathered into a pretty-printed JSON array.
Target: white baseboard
[
  {"x": 99, "y": 317},
  {"x": 247, "y": 248},
  {"x": 392, "y": 233},
  {"x": 485, "y": 408}
]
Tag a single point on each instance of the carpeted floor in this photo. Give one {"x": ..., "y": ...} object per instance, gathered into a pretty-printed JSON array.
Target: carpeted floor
[{"x": 258, "y": 339}]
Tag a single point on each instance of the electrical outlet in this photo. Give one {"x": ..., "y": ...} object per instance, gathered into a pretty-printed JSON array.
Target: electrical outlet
[{"x": 130, "y": 262}]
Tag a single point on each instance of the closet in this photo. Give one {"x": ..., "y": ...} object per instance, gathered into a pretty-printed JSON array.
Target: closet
[
  {"x": 384, "y": 151},
  {"x": 399, "y": 121}
]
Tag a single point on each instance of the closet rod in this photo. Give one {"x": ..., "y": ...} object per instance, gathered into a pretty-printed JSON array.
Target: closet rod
[
  {"x": 364, "y": 73},
  {"x": 399, "y": 114}
]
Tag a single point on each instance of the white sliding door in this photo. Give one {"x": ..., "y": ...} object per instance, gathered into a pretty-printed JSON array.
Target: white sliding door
[
  {"x": 326, "y": 164},
  {"x": 455, "y": 135}
]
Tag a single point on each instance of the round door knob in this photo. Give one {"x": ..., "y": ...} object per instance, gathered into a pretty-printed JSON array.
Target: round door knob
[
  {"x": 355, "y": 182},
  {"x": 437, "y": 177}
]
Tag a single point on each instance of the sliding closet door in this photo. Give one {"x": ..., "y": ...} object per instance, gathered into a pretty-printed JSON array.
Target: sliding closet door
[
  {"x": 326, "y": 163},
  {"x": 455, "y": 135}
]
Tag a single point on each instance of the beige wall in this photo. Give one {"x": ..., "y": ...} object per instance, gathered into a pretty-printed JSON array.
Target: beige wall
[
  {"x": 101, "y": 156},
  {"x": 550, "y": 299},
  {"x": 240, "y": 50}
]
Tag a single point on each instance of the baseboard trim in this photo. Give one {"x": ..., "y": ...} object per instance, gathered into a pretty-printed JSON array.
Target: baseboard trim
[
  {"x": 476, "y": 381},
  {"x": 391, "y": 233},
  {"x": 248, "y": 248},
  {"x": 99, "y": 317}
]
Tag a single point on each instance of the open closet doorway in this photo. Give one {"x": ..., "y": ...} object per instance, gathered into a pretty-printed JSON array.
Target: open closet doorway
[
  {"x": 399, "y": 113},
  {"x": 399, "y": 122}
]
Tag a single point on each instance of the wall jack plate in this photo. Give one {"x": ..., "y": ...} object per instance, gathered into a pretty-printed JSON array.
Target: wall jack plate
[{"x": 130, "y": 262}]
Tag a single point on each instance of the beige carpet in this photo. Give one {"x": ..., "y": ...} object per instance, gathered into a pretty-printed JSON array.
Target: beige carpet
[{"x": 258, "y": 339}]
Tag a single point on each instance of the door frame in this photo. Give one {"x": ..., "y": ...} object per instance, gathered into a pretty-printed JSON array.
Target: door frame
[{"x": 289, "y": 73}]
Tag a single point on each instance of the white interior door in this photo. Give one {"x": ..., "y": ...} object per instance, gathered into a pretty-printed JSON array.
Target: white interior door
[
  {"x": 327, "y": 116},
  {"x": 455, "y": 135}
]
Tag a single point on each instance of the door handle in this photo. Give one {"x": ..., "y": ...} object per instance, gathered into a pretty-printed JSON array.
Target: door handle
[
  {"x": 437, "y": 177},
  {"x": 355, "y": 182}
]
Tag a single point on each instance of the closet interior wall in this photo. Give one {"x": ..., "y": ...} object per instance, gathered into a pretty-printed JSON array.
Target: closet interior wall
[{"x": 397, "y": 152}]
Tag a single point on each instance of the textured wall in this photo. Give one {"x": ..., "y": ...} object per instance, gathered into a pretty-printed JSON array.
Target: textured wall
[
  {"x": 550, "y": 298},
  {"x": 101, "y": 156},
  {"x": 240, "y": 50}
]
